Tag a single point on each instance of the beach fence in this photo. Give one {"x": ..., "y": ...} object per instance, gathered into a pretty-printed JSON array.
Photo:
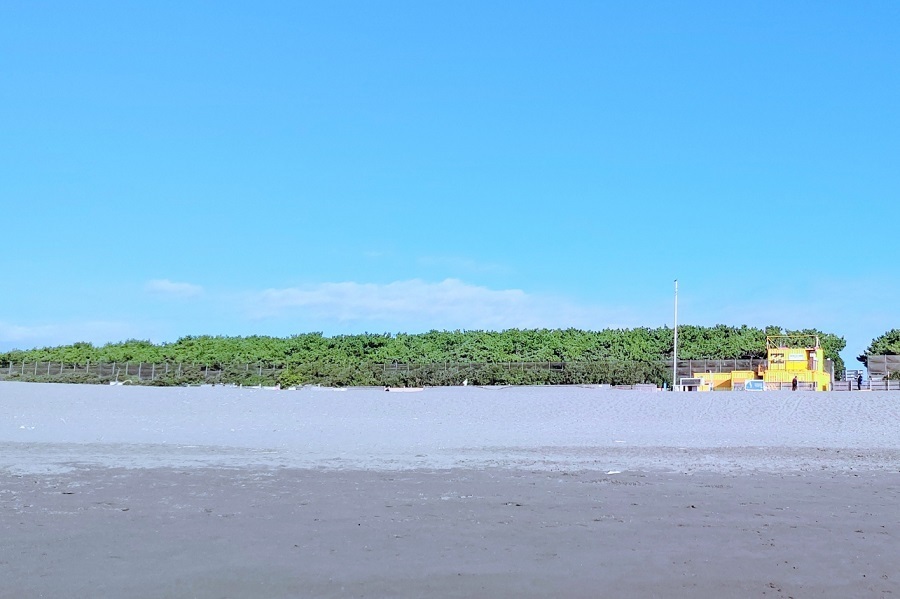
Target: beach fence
[
  {"x": 868, "y": 385},
  {"x": 169, "y": 373},
  {"x": 603, "y": 371},
  {"x": 882, "y": 367},
  {"x": 609, "y": 371},
  {"x": 137, "y": 372},
  {"x": 687, "y": 368}
]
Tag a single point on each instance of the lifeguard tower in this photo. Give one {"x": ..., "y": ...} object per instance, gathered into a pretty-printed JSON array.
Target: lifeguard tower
[{"x": 788, "y": 356}]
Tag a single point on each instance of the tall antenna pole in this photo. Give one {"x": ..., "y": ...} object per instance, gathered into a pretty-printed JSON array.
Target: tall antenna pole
[{"x": 675, "y": 347}]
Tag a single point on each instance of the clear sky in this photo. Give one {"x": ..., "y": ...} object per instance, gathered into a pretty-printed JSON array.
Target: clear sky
[{"x": 175, "y": 168}]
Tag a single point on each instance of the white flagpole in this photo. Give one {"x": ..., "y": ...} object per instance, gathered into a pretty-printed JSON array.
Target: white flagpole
[{"x": 675, "y": 348}]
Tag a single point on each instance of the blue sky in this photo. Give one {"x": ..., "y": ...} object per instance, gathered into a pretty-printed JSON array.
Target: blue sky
[{"x": 186, "y": 168}]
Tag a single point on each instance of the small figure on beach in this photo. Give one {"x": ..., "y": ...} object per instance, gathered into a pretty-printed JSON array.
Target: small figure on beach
[
  {"x": 794, "y": 384},
  {"x": 858, "y": 382}
]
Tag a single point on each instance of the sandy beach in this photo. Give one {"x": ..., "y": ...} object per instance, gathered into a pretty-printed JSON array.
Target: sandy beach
[{"x": 450, "y": 492}]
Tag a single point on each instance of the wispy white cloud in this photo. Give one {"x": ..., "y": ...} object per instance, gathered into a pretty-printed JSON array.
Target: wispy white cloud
[
  {"x": 416, "y": 304},
  {"x": 64, "y": 333},
  {"x": 859, "y": 310},
  {"x": 12, "y": 333},
  {"x": 172, "y": 289}
]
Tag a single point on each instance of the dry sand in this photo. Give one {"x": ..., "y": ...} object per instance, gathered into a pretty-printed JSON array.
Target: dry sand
[{"x": 451, "y": 492}]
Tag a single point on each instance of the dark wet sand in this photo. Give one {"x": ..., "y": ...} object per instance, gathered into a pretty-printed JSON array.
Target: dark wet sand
[{"x": 241, "y": 533}]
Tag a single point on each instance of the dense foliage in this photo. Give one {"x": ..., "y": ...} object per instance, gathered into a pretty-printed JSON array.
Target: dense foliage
[
  {"x": 885, "y": 345},
  {"x": 610, "y": 355}
]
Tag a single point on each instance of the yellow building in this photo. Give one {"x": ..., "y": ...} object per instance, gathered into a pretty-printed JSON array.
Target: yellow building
[{"x": 788, "y": 356}]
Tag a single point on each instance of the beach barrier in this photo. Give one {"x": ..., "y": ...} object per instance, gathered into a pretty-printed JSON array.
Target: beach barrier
[{"x": 392, "y": 374}]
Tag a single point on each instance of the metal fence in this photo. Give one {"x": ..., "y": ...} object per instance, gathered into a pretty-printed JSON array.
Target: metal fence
[
  {"x": 687, "y": 368},
  {"x": 882, "y": 366},
  {"x": 148, "y": 372},
  {"x": 134, "y": 371},
  {"x": 868, "y": 385},
  {"x": 173, "y": 373}
]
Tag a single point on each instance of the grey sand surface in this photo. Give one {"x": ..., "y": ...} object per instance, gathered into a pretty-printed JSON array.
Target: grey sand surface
[{"x": 517, "y": 492}]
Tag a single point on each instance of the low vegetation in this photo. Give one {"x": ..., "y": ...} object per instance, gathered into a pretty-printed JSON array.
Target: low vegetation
[{"x": 514, "y": 356}]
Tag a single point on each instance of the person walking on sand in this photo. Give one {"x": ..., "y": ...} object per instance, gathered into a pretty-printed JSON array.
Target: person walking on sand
[{"x": 794, "y": 384}]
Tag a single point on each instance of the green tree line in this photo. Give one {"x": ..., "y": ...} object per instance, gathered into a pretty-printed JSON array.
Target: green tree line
[{"x": 313, "y": 356}]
